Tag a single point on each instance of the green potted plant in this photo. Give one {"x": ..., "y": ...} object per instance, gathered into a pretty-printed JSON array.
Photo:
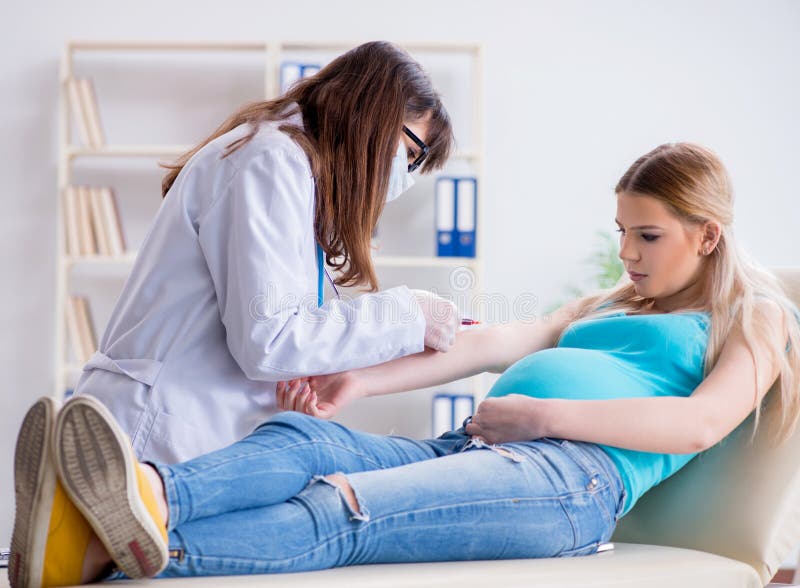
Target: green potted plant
[{"x": 607, "y": 266}]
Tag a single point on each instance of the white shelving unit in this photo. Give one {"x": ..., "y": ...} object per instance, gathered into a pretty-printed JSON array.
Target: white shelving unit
[{"x": 273, "y": 54}]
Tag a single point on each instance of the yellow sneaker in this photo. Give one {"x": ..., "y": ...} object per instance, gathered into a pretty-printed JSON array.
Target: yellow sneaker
[
  {"x": 67, "y": 540},
  {"x": 101, "y": 475},
  {"x": 50, "y": 535}
]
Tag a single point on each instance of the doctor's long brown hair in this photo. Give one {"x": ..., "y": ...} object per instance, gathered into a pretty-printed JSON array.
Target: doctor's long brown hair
[{"x": 353, "y": 112}]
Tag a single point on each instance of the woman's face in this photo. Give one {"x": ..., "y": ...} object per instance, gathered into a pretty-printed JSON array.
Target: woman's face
[{"x": 663, "y": 255}]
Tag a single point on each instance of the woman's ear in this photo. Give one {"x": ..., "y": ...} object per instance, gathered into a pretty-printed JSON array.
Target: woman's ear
[{"x": 711, "y": 233}]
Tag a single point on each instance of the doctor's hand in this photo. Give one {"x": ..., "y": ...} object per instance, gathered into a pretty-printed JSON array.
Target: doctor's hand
[
  {"x": 319, "y": 396},
  {"x": 509, "y": 418},
  {"x": 441, "y": 320}
]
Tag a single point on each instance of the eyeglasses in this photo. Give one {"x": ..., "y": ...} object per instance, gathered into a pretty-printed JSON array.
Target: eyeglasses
[{"x": 422, "y": 146}]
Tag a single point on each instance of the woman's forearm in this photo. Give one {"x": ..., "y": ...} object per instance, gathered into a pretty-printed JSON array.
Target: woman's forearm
[
  {"x": 659, "y": 425},
  {"x": 471, "y": 354},
  {"x": 485, "y": 349}
]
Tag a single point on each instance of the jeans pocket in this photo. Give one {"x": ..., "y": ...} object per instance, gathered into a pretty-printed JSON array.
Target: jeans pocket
[{"x": 595, "y": 475}]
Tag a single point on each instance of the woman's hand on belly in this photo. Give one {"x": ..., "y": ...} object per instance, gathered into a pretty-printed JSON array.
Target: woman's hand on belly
[{"x": 509, "y": 418}]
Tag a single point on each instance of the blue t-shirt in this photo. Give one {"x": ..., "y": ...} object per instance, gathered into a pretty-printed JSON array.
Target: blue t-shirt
[{"x": 620, "y": 356}]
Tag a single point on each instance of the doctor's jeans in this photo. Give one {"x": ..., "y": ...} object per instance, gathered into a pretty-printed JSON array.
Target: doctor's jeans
[{"x": 262, "y": 505}]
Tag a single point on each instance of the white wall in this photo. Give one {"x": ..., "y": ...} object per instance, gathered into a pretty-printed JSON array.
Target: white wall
[{"x": 575, "y": 91}]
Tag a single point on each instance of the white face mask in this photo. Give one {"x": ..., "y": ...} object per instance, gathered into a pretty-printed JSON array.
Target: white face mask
[{"x": 399, "y": 180}]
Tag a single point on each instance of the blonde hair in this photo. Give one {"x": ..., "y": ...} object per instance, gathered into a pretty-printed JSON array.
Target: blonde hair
[{"x": 692, "y": 183}]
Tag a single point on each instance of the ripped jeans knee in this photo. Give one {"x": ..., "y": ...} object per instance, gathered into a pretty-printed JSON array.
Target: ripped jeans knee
[{"x": 347, "y": 494}]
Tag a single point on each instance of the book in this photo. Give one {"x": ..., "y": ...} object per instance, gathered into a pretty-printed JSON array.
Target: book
[
  {"x": 71, "y": 231},
  {"x": 74, "y": 330},
  {"x": 456, "y": 215},
  {"x": 112, "y": 221},
  {"x": 442, "y": 415},
  {"x": 91, "y": 112},
  {"x": 87, "y": 327},
  {"x": 77, "y": 111},
  {"x": 466, "y": 191},
  {"x": 463, "y": 407},
  {"x": 101, "y": 228},
  {"x": 5, "y": 554},
  {"x": 446, "y": 245},
  {"x": 80, "y": 328},
  {"x": 92, "y": 222},
  {"x": 86, "y": 237},
  {"x": 449, "y": 411}
]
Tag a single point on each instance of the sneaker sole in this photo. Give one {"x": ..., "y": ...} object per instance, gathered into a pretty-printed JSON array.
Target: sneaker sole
[
  {"x": 34, "y": 488},
  {"x": 98, "y": 471}
]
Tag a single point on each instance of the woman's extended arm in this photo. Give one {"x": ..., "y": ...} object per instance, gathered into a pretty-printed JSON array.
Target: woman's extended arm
[
  {"x": 475, "y": 351},
  {"x": 660, "y": 425}
]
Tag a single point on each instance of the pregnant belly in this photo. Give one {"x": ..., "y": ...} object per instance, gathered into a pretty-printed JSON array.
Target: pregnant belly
[{"x": 580, "y": 374}]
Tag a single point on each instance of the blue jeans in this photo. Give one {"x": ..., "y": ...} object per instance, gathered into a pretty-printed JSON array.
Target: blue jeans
[{"x": 263, "y": 505}]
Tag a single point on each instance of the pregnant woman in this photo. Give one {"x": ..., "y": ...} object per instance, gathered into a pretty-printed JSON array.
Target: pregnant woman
[{"x": 597, "y": 404}]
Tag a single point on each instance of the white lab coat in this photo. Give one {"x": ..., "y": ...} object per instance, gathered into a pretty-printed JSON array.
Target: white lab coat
[{"x": 221, "y": 304}]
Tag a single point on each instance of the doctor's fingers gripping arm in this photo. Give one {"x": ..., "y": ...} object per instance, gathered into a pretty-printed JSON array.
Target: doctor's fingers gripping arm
[
  {"x": 324, "y": 396},
  {"x": 291, "y": 395},
  {"x": 441, "y": 320},
  {"x": 259, "y": 245}
]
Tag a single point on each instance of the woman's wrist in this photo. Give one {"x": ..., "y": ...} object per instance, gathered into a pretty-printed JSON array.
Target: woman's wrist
[
  {"x": 544, "y": 412},
  {"x": 367, "y": 381}
]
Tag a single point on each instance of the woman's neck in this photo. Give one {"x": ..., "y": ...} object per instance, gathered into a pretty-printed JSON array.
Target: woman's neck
[{"x": 691, "y": 297}]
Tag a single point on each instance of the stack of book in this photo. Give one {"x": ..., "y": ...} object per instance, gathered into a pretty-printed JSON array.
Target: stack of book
[
  {"x": 83, "y": 105},
  {"x": 456, "y": 216},
  {"x": 80, "y": 328},
  {"x": 92, "y": 220},
  {"x": 450, "y": 411}
]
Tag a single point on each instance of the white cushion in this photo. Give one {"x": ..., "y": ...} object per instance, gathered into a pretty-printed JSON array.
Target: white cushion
[{"x": 628, "y": 565}]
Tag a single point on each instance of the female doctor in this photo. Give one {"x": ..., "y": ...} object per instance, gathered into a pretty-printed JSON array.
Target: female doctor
[{"x": 226, "y": 295}]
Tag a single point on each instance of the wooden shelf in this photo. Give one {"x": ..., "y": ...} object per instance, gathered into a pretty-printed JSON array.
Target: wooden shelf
[
  {"x": 167, "y": 46},
  {"x": 428, "y": 47},
  {"x": 128, "y": 258},
  {"x": 128, "y": 151},
  {"x": 414, "y": 261},
  {"x": 379, "y": 260},
  {"x": 174, "y": 150}
]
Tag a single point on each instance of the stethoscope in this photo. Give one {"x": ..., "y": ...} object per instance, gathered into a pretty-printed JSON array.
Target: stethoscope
[{"x": 321, "y": 272}]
